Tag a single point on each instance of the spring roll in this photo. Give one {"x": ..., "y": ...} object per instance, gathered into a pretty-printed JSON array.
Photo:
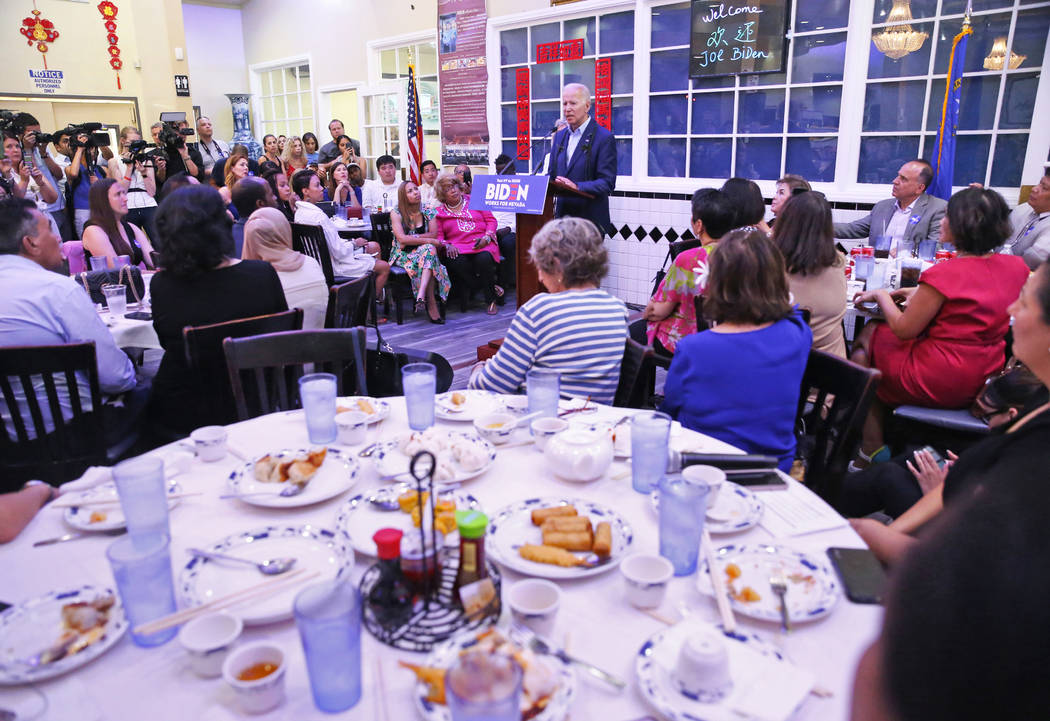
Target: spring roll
[
  {"x": 569, "y": 540},
  {"x": 549, "y": 554},
  {"x": 539, "y": 515},
  {"x": 602, "y": 540},
  {"x": 567, "y": 523}
]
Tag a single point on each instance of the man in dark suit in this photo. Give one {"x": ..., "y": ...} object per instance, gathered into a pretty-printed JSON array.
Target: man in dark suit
[
  {"x": 584, "y": 157},
  {"x": 911, "y": 214}
]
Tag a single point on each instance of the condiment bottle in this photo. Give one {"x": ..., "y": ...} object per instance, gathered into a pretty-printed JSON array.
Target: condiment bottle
[
  {"x": 472, "y": 525},
  {"x": 391, "y": 597}
]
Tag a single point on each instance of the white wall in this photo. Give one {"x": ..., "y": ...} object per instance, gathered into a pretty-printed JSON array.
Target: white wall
[{"x": 217, "y": 65}]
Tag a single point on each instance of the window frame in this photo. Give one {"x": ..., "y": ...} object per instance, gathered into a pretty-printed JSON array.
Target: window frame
[{"x": 255, "y": 73}]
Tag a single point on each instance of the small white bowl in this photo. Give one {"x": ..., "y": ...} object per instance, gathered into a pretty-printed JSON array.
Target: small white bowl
[
  {"x": 543, "y": 429},
  {"x": 210, "y": 443},
  {"x": 496, "y": 427},
  {"x": 262, "y": 694},
  {"x": 715, "y": 478},
  {"x": 646, "y": 576},
  {"x": 534, "y": 603},
  {"x": 352, "y": 427},
  {"x": 208, "y": 640},
  {"x": 702, "y": 672}
]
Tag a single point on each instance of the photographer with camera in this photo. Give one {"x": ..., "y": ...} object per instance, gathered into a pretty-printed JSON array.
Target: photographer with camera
[
  {"x": 34, "y": 152},
  {"x": 134, "y": 169},
  {"x": 80, "y": 143},
  {"x": 170, "y": 135}
]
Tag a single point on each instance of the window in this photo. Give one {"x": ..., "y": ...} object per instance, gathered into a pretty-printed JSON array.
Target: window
[
  {"x": 756, "y": 126},
  {"x": 604, "y": 36},
  {"x": 286, "y": 101},
  {"x": 393, "y": 65}
]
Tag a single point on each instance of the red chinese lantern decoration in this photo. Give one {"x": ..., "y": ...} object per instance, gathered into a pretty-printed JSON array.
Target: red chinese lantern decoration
[
  {"x": 109, "y": 14},
  {"x": 40, "y": 31}
]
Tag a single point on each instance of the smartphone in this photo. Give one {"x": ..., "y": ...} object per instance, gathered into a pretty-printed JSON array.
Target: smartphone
[
  {"x": 762, "y": 480},
  {"x": 139, "y": 315},
  {"x": 861, "y": 574},
  {"x": 937, "y": 457}
]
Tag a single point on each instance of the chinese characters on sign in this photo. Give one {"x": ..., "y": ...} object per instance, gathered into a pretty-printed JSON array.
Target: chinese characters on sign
[
  {"x": 603, "y": 92},
  {"x": 559, "y": 52},
  {"x": 521, "y": 81},
  {"x": 740, "y": 36}
]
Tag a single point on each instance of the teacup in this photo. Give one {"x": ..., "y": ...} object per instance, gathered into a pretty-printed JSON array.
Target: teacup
[
  {"x": 352, "y": 427},
  {"x": 646, "y": 576},
  {"x": 702, "y": 672},
  {"x": 261, "y": 694},
  {"x": 543, "y": 429},
  {"x": 496, "y": 427},
  {"x": 210, "y": 443},
  {"x": 715, "y": 478},
  {"x": 208, "y": 640},
  {"x": 534, "y": 603}
]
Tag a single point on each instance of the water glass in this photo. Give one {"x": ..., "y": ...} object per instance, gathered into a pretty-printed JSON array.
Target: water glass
[
  {"x": 122, "y": 261},
  {"x": 317, "y": 393},
  {"x": 142, "y": 570},
  {"x": 927, "y": 250},
  {"x": 99, "y": 262},
  {"x": 911, "y": 269},
  {"x": 419, "y": 381},
  {"x": 649, "y": 435},
  {"x": 683, "y": 507},
  {"x": 905, "y": 248},
  {"x": 544, "y": 391},
  {"x": 116, "y": 298},
  {"x": 879, "y": 275},
  {"x": 483, "y": 686},
  {"x": 143, "y": 496},
  {"x": 328, "y": 616}
]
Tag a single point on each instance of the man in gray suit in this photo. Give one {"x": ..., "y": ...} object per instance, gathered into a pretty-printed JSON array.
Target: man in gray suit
[
  {"x": 910, "y": 214},
  {"x": 1031, "y": 227}
]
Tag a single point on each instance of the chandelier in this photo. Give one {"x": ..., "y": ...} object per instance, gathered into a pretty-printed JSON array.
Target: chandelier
[
  {"x": 997, "y": 57},
  {"x": 897, "y": 41}
]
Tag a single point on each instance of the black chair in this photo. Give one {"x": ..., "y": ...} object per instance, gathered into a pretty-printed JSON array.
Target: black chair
[
  {"x": 264, "y": 370},
  {"x": 66, "y": 451},
  {"x": 398, "y": 283},
  {"x": 832, "y": 405},
  {"x": 635, "y": 369},
  {"x": 680, "y": 246},
  {"x": 349, "y": 303},
  {"x": 309, "y": 240}
]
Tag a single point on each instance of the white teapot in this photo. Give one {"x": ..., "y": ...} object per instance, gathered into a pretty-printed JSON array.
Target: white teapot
[{"x": 579, "y": 454}]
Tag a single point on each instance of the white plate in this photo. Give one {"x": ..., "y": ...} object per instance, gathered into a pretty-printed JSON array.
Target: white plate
[
  {"x": 390, "y": 461},
  {"x": 338, "y": 473},
  {"x": 380, "y": 408},
  {"x": 359, "y": 519},
  {"x": 737, "y": 509},
  {"x": 35, "y": 625},
  {"x": 315, "y": 549},
  {"x": 476, "y": 403},
  {"x": 79, "y": 516},
  {"x": 443, "y": 655},
  {"x": 812, "y": 590},
  {"x": 511, "y": 527}
]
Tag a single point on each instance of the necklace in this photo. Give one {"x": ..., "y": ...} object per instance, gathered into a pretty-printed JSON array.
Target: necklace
[{"x": 464, "y": 221}]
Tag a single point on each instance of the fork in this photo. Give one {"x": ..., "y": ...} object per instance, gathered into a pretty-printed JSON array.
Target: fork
[
  {"x": 540, "y": 646},
  {"x": 779, "y": 585}
]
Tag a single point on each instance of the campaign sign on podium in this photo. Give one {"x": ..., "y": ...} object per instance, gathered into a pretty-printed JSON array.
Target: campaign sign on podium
[{"x": 509, "y": 193}]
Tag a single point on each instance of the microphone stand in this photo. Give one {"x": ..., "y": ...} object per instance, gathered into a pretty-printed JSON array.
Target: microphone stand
[{"x": 544, "y": 140}]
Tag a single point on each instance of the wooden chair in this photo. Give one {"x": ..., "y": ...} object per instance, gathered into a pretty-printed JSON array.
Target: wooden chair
[
  {"x": 309, "y": 240},
  {"x": 635, "y": 369},
  {"x": 264, "y": 370},
  {"x": 66, "y": 450},
  {"x": 398, "y": 283},
  {"x": 206, "y": 358},
  {"x": 350, "y": 303},
  {"x": 832, "y": 405}
]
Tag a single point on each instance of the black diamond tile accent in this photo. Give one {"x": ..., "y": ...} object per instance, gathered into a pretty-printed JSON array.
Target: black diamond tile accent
[
  {"x": 656, "y": 234},
  {"x": 671, "y": 235},
  {"x": 640, "y": 233},
  {"x": 625, "y": 232},
  {"x": 688, "y": 235}
]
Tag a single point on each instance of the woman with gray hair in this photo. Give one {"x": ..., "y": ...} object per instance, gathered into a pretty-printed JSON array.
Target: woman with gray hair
[{"x": 576, "y": 329}]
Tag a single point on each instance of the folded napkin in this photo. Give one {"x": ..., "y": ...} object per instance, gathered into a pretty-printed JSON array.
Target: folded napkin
[{"x": 93, "y": 476}]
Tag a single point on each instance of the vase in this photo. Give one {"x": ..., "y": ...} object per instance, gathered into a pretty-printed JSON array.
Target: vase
[{"x": 242, "y": 127}]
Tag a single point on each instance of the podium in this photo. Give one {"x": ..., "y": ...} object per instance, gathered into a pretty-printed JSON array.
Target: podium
[{"x": 528, "y": 225}]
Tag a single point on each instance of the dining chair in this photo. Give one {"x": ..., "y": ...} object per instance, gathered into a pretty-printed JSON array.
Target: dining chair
[
  {"x": 264, "y": 370},
  {"x": 398, "y": 283},
  {"x": 635, "y": 369},
  {"x": 31, "y": 444},
  {"x": 833, "y": 402},
  {"x": 310, "y": 240},
  {"x": 349, "y": 303},
  {"x": 73, "y": 250}
]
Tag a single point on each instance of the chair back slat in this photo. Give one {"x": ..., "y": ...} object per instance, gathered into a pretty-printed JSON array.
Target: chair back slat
[
  {"x": 383, "y": 234},
  {"x": 632, "y": 390},
  {"x": 310, "y": 240},
  {"x": 349, "y": 303},
  {"x": 680, "y": 246}
]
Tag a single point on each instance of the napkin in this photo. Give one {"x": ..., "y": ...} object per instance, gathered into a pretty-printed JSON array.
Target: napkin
[{"x": 93, "y": 476}]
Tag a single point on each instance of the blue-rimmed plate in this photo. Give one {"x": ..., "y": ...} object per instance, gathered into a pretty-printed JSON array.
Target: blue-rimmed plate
[
  {"x": 453, "y": 465},
  {"x": 511, "y": 527},
  {"x": 443, "y": 656},
  {"x": 34, "y": 625},
  {"x": 737, "y": 509},
  {"x": 466, "y": 405},
  {"x": 813, "y": 588},
  {"x": 337, "y": 474},
  {"x": 104, "y": 516},
  {"x": 315, "y": 549}
]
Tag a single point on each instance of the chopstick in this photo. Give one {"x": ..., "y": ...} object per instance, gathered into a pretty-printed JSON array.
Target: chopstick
[
  {"x": 382, "y": 689},
  {"x": 110, "y": 501},
  {"x": 256, "y": 592},
  {"x": 718, "y": 583},
  {"x": 515, "y": 444},
  {"x": 575, "y": 410}
]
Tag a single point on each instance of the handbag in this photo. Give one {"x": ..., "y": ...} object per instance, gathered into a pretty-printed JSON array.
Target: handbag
[
  {"x": 130, "y": 276},
  {"x": 383, "y": 367}
]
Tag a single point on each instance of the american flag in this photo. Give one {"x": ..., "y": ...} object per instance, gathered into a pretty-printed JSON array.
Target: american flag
[{"x": 415, "y": 128}]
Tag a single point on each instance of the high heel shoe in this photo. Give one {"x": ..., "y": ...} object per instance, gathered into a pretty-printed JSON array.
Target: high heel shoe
[
  {"x": 421, "y": 306},
  {"x": 493, "y": 309}
]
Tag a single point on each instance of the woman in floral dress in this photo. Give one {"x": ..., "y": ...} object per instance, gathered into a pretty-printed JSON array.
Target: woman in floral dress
[{"x": 415, "y": 250}]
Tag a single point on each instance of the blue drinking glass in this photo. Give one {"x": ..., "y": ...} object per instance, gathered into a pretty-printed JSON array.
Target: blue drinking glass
[
  {"x": 649, "y": 435},
  {"x": 544, "y": 391},
  {"x": 683, "y": 506},
  {"x": 317, "y": 393},
  {"x": 328, "y": 616},
  {"x": 419, "y": 381},
  {"x": 142, "y": 569},
  {"x": 143, "y": 496},
  {"x": 484, "y": 687}
]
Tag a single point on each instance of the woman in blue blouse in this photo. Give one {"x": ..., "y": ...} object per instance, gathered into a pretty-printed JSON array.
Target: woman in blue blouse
[{"x": 739, "y": 381}]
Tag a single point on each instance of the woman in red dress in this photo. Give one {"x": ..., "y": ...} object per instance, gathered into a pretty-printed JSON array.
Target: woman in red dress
[{"x": 951, "y": 335}]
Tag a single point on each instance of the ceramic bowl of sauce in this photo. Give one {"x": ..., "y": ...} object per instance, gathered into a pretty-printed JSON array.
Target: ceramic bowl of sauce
[
  {"x": 496, "y": 428},
  {"x": 256, "y": 673}
]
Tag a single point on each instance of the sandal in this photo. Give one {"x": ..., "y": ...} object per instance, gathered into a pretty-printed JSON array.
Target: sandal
[
  {"x": 421, "y": 306},
  {"x": 493, "y": 309}
]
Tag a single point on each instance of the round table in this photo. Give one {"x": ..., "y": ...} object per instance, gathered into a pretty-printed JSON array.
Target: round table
[{"x": 594, "y": 622}]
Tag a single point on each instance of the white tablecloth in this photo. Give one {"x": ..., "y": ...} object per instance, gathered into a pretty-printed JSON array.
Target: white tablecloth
[
  {"x": 595, "y": 621},
  {"x": 131, "y": 333}
]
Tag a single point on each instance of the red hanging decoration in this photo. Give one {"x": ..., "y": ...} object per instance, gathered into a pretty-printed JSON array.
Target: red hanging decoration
[
  {"x": 40, "y": 31},
  {"x": 109, "y": 14}
]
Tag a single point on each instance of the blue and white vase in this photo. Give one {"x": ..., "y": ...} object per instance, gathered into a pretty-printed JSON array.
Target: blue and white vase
[{"x": 242, "y": 127}]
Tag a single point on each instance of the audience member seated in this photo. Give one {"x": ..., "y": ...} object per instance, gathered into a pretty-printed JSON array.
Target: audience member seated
[
  {"x": 176, "y": 181},
  {"x": 1013, "y": 454},
  {"x": 671, "y": 313},
  {"x": 429, "y": 171},
  {"x": 746, "y": 198},
  {"x": 282, "y": 192},
  {"x": 218, "y": 171},
  {"x": 576, "y": 329},
  {"x": 739, "y": 381},
  {"x": 340, "y": 191},
  {"x": 894, "y": 487},
  {"x": 311, "y": 146},
  {"x": 911, "y": 214},
  {"x": 350, "y": 258},
  {"x": 415, "y": 250},
  {"x": 17, "y": 508},
  {"x": 465, "y": 177},
  {"x": 236, "y": 169},
  {"x": 1030, "y": 236},
  {"x": 138, "y": 177},
  {"x": 268, "y": 236},
  {"x": 816, "y": 270},
  {"x": 951, "y": 334},
  {"x": 249, "y": 195},
  {"x": 786, "y": 187},
  {"x": 294, "y": 155},
  {"x": 199, "y": 285},
  {"x": 469, "y": 237},
  {"x": 39, "y": 306},
  {"x": 107, "y": 233},
  {"x": 382, "y": 193},
  {"x": 271, "y": 154}
]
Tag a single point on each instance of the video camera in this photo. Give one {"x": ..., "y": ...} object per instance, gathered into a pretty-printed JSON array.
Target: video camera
[
  {"x": 171, "y": 136},
  {"x": 141, "y": 152},
  {"x": 94, "y": 139}
]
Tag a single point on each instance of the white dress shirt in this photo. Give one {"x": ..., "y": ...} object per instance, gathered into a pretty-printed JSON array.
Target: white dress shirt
[
  {"x": 345, "y": 260},
  {"x": 574, "y": 139},
  {"x": 374, "y": 191},
  {"x": 426, "y": 195}
]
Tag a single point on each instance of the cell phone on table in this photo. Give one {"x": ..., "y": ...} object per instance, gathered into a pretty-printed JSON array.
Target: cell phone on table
[
  {"x": 139, "y": 315},
  {"x": 937, "y": 457},
  {"x": 758, "y": 480},
  {"x": 861, "y": 574}
]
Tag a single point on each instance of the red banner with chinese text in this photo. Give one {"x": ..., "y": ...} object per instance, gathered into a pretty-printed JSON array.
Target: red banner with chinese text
[
  {"x": 521, "y": 82},
  {"x": 603, "y": 92},
  {"x": 559, "y": 52}
]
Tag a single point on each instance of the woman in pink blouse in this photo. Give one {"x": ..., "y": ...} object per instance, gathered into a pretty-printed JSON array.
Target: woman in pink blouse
[{"x": 469, "y": 239}]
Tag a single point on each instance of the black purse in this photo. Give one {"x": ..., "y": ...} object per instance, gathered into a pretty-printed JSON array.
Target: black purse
[
  {"x": 383, "y": 367},
  {"x": 130, "y": 276}
]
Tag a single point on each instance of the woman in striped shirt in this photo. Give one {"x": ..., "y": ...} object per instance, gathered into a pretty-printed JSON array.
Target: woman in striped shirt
[{"x": 577, "y": 329}]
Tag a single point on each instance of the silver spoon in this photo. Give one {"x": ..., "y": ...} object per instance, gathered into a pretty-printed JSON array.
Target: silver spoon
[
  {"x": 540, "y": 646},
  {"x": 292, "y": 490},
  {"x": 272, "y": 567},
  {"x": 368, "y": 450}
]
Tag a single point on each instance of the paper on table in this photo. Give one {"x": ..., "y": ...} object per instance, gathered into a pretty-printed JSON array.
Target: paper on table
[{"x": 795, "y": 513}]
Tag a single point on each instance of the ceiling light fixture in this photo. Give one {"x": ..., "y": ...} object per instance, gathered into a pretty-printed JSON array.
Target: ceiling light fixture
[
  {"x": 898, "y": 40},
  {"x": 997, "y": 57}
]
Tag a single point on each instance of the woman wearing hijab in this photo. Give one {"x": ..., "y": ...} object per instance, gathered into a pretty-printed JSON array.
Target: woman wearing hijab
[{"x": 268, "y": 236}]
